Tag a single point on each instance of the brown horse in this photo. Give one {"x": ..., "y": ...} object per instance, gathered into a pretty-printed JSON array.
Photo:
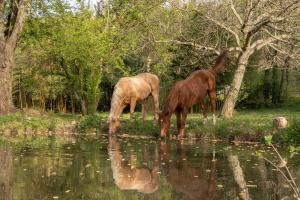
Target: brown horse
[
  {"x": 189, "y": 92},
  {"x": 128, "y": 91}
]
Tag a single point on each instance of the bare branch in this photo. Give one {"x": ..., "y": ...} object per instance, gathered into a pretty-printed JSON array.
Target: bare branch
[
  {"x": 274, "y": 46},
  {"x": 193, "y": 44},
  {"x": 237, "y": 38},
  {"x": 263, "y": 42},
  {"x": 271, "y": 17},
  {"x": 236, "y": 13}
]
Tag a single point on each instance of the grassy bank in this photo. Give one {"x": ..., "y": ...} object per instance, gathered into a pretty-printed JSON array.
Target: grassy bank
[{"x": 246, "y": 125}]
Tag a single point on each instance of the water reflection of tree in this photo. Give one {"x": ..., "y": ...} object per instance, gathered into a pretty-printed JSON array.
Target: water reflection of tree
[
  {"x": 142, "y": 179},
  {"x": 239, "y": 177},
  {"x": 191, "y": 181},
  {"x": 5, "y": 174}
]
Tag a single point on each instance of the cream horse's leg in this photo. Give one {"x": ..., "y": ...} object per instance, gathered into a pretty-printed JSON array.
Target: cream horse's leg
[
  {"x": 132, "y": 107},
  {"x": 155, "y": 95},
  {"x": 144, "y": 110}
]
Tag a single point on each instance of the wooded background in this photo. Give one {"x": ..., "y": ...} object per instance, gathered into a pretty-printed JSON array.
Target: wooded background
[{"x": 67, "y": 56}]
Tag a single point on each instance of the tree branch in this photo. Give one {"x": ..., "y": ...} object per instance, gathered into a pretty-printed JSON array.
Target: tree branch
[
  {"x": 21, "y": 15},
  {"x": 237, "y": 38},
  {"x": 236, "y": 13},
  {"x": 263, "y": 42},
  {"x": 193, "y": 44}
]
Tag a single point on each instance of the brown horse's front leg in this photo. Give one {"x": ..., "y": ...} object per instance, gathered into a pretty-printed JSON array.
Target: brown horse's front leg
[
  {"x": 181, "y": 119},
  {"x": 179, "y": 123}
]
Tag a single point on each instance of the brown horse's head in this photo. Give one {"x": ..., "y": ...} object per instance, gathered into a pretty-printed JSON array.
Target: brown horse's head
[
  {"x": 222, "y": 61},
  {"x": 164, "y": 122},
  {"x": 114, "y": 124}
]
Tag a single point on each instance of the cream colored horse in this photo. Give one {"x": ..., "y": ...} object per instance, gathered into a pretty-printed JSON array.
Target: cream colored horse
[{"x": 128, "y": 91}]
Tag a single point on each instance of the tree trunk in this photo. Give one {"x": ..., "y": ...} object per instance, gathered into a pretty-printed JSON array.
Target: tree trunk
[
  {"x": 267, "y": 87},
  {"x": 83, "y": 107},
  {"x": 231, "y": 98},
  {"x": 6, "y": 101},
  {"x": 9, "y": 34}
]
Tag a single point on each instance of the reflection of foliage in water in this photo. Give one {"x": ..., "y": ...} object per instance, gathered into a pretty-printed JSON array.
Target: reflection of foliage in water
[{"x": 80, "y": 170}]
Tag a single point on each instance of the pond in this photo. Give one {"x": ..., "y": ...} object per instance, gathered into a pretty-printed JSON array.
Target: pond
[{"x": 123, "y": 168}]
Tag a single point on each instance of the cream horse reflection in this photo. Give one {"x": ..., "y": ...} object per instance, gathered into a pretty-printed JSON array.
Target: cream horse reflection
[{"x": 131, "y": 177}]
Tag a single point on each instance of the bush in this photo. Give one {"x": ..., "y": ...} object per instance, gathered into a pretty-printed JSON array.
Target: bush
[{"x": 89, "y": 123}]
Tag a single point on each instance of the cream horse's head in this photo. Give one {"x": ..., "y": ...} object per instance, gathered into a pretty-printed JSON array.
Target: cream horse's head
[{"x": 114, "y": 124}]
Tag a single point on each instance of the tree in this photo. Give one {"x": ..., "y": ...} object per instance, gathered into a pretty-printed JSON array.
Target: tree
[
  {"x": 243, "y": 27},
  {"x": 12, "y": 17},
  {"x": 254, "y": 25}
]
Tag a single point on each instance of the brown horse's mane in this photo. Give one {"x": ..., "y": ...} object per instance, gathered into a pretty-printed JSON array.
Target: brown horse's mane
[{"x": 221, "y": 61}]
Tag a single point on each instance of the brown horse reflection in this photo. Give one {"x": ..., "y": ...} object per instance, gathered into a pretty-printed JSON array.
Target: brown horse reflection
[
  {"x": 189, "y": 180},
  {"x": 131, "y": 177}
]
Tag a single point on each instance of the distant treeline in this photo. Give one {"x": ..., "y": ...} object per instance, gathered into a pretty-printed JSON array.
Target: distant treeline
[{"x": 68, "y": 59}]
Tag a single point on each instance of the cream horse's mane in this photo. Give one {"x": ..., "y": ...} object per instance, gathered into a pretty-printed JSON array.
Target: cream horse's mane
[{"x": 115, "y": 102}]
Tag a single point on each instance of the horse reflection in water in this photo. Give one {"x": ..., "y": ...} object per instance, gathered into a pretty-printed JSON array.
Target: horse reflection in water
[
  {"x": 190, "y": 181},
  {"x": 142, "y": 179}
]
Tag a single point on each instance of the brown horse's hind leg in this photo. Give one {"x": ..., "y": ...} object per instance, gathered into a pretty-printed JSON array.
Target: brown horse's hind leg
[
  {"x": 212, "y": 96},
  {"x": 132, "y": 107},
  {"x": 204, "y": 111}
]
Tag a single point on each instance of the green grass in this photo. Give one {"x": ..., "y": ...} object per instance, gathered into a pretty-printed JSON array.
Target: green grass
[
  {"x": 22, "y": 123},
  {"x": 249, "y": 125}
]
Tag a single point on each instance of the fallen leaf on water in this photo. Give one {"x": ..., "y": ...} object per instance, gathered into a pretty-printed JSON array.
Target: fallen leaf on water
[
  {"x": 252, "y": 186},
  {"x": 88, "y": 165}
]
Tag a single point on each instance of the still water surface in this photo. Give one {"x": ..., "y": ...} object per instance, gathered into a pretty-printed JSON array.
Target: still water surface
[{"x": 119, "y": 168}]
